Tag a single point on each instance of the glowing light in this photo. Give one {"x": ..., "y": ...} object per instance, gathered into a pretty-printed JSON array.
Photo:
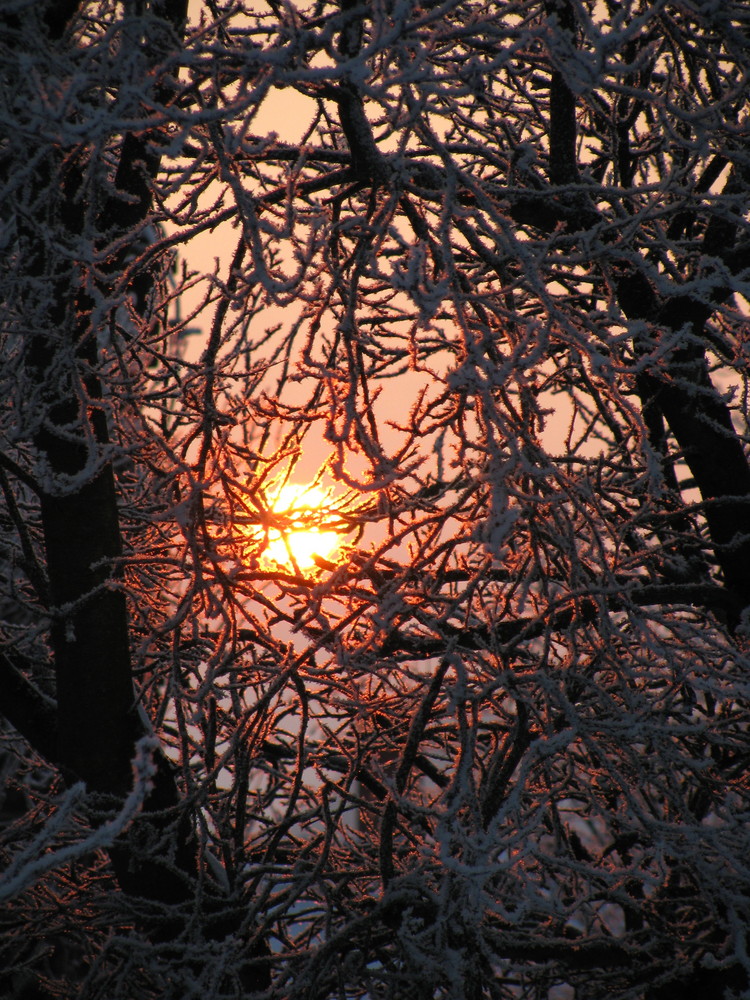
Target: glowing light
[{"x": 296, "y": 509}]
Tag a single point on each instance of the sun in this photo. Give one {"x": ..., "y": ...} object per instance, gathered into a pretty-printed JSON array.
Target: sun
[{"x": 296, "y": 509}]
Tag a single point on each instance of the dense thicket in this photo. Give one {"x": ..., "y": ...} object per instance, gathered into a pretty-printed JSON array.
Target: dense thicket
[{"x": 481, "y": 272}]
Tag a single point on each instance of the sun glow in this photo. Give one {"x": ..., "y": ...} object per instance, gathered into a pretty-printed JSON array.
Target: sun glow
[{"x": 297, "y": 510}]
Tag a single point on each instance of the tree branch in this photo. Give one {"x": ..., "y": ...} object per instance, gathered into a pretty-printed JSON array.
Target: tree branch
[
  {"x": 563, "y": 164},
  {"x": 29, "y": 711},
  {"x": 582, "y": 611}
]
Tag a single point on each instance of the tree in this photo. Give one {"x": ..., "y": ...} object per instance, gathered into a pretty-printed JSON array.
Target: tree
[{"x": 494, "y": 301}]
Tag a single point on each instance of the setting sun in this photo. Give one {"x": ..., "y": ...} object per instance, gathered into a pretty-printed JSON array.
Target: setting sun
[{"x": 298, "y": 507}]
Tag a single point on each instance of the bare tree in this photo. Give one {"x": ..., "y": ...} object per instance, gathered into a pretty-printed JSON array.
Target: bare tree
[{"x": 493, "y": 301}]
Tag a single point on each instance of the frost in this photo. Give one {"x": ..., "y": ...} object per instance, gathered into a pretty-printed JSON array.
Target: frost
[
  {"x": 37, "y": 859},
  {"x": 475, "y": 276}
]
